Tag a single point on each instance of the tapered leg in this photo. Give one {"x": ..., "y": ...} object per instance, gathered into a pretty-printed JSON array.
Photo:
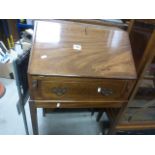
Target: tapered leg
[
  {"x": 33, "y": 113},
  {"x": 92, "y": 112},
  {"x": 112, "y": 131},
  {"x": 44, "y": 112},
  {"x": 99, "y": 116}
]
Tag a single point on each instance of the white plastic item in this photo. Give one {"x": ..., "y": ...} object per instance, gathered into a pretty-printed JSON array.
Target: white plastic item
[
  {"x": 19, "y": 49},
  {"x": 29, "y": 21}
]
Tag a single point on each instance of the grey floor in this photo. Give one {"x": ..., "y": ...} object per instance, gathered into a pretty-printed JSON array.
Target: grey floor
[{"x": 11, "y": 123}]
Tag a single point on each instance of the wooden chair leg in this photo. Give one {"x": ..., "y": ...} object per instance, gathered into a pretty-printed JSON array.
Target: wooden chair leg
[{"x": 33, "y": 113}]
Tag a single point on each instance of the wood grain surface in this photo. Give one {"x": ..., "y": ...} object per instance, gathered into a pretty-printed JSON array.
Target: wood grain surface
[
  {"x": 81, "y": 50},
  {"x": 79, "y": 105},
  {"x": 136, "y": 126}
]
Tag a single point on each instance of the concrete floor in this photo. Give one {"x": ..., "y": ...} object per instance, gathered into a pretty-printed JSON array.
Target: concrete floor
[{"x": 79, "y": 123}]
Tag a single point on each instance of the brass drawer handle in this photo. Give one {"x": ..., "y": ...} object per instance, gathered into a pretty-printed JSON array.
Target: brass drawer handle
[
  {"x": 105, "y": 91},
  {"x": 59, "y": 91}
]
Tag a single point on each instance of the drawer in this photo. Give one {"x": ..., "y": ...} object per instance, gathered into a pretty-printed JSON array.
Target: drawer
[{"x": 70, "y": 89}]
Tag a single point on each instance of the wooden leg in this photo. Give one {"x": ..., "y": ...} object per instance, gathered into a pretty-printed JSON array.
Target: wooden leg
[
  {"x": 112, "y": 131},
  {"x": 99, "y": 115},
  {"x": 33, "y": 113},
  {"x": 92, "y": 112},
  {"x": 44, "y": 112}
]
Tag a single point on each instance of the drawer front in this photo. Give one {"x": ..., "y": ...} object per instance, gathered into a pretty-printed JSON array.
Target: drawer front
[{"x": 79, "y": 89}]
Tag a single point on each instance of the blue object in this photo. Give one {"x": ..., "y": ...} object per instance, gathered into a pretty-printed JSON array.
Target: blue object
[{"x": 21, "y": 27}]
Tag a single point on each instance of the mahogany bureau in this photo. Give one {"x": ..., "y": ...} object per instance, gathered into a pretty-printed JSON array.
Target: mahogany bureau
[{"x": 75, "y": 65}]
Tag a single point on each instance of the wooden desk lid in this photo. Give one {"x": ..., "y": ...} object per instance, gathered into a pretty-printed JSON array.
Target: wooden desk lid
[{"x": 81, "y": 50}]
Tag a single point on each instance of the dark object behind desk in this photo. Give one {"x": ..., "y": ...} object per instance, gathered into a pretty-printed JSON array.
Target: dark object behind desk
[{"x": 21, "y": 68}]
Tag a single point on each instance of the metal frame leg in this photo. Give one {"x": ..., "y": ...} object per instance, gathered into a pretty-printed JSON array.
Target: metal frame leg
[
  {"x": 24, "y": 119},
  {"x": 21, "y": 101}
]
